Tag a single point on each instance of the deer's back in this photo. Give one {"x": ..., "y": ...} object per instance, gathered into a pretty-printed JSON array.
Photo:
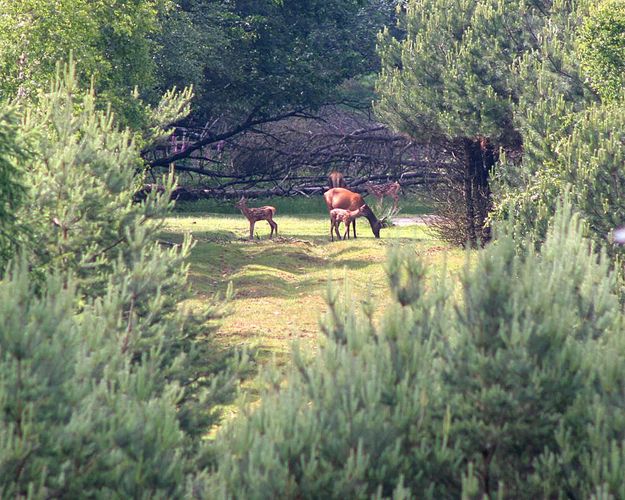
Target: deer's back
[{"x": 343, "y": 198}]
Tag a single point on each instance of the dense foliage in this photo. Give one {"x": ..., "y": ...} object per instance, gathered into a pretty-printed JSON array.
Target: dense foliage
[
  {"x": 113, "y": 43},
  {"x": 602, "y": 48},
  {"x": 108, "y": 381},
  {"x": 12, "y": 189},
  {"x": 572, "y": 140},
  {"x": 471, "y": 77},
  {"x": 242, "y": 59}
]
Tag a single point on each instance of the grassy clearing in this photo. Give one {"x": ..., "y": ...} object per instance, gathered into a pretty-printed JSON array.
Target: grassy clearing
[{"x": 280, "y": 283}]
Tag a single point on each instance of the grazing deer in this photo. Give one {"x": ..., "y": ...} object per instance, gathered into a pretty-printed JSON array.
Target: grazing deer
[
  {"x": 338, "y": 215},
  {"x": 336, "y": 180},
  {"x": 381, "y": 190},
  {"x": 256, "y": 214},
  {"x": 347, "y": 200}
]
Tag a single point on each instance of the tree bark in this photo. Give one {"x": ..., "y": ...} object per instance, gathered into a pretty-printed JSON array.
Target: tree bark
[{"x": 480, "y": 157}]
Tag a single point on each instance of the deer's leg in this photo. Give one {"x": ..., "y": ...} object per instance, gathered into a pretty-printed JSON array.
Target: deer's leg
[
  {"x": 252, "y": 229},
  {"x": 331, "y": 230},
  {"x": 354, "y": 223},
  {"x": 346, "y": 234},
  {"x": 274, "y": 227},
  {"x": 335, "y": 227}
]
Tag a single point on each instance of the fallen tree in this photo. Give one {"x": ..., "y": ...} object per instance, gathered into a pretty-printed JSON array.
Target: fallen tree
[{"x": 309, "y": 186}]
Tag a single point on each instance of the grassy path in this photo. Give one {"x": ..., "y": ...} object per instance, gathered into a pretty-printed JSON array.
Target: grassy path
[{"x": 280, "y": 283}]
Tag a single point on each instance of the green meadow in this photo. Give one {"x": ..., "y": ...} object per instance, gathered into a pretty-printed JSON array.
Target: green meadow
[{"x": 280, "y": 283}]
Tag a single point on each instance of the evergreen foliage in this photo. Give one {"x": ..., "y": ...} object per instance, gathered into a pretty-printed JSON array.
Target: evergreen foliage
[
  {"x": 602, "y": 48},
  {"x": 479, "y": 77},
  {"x": 499, "y": 392},
  {"x": 109, "y": 381},
  {"x": 12, "y": 190},
  {"x": 79, "y": 419},
  {"x": 448, "y": 82},
  {"x": 572, "y": 141}
]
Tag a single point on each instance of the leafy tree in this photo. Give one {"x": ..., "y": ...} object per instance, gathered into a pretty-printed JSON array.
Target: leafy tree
[
  {"x": 112, "y": 42},
  {"x": 247, "y": 68},
  {"x": 245, "y": 61}
]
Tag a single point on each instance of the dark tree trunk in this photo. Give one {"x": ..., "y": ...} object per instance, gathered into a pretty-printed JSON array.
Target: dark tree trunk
[
  {"x": 480, "y": 157},
  {"x": 469, "y": 174}
]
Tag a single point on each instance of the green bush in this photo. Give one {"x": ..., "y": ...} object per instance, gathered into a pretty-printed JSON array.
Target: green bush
[
  {"x": 501, "y": 390},
  {"x": 12, "y": 189},
  {"x": 108, "y": 383},
  {"x": 585, "y": 159},
  {"x": 572, "y": 139},
  {"x": 601, "y": 48},
  {"x": 78, "y": 418}
]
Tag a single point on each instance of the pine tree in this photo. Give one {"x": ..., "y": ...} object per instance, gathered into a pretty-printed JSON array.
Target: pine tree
[
  {"x": 451, "y": 82},
  {"x": 12, "y": 189},
  {"x": 108, "y": 381},
  {"x": 573, "y": 141},
  {"x": 602, "y": 48}
]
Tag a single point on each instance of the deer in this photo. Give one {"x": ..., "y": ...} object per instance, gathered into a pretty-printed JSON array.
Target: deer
[
  {"x": 381, "y": 190},
  {"x": 336, "y": 179},
  {"x": 338, "y": 215},
  {"x": 347, "y": 200},
  {"x": 255, "y": 214}
]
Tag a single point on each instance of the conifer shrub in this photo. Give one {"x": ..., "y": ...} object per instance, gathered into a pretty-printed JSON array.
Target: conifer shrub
[
  {"x": 78, "y": 418},
  {"x": 509, "y": 388},
  {"x": 585, "y": 159},
  {"x": 570, "y": 114},
  {"x": 108, "y": 383},
  {"x": 12, "y": 189},
  {"x": 601, "y": 48}
]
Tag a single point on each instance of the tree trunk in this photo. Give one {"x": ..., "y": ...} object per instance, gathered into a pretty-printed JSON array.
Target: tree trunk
[
  {"x": 469, "y": 174},
  {"x": 480, "y": 157}
]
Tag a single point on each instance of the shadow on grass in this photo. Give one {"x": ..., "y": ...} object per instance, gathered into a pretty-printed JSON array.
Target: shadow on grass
[{"x": 260, "y": 270}]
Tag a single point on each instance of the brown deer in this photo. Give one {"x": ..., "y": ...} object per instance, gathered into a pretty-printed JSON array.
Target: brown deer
[
  {"x": 347, "y": 200},
  {"x": 336, "y": 180},
  {"x": 255, "y": 214},
  {"x": 338, "y": 215},
  {"x": 381, "y": 190}
]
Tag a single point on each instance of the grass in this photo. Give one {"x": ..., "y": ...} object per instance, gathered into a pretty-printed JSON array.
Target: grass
[{"x": 279, "y": 284}]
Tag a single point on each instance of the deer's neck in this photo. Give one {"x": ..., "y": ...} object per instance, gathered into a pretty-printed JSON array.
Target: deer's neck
[{"x": 373, "y": 220}]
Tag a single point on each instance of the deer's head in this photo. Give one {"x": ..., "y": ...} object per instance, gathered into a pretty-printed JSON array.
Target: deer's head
[{"x": 376, "y": 225}]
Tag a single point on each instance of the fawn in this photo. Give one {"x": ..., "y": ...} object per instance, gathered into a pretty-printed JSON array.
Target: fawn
[
  {"x": 381, "y": 190},
  {"x": 338, "y": 215},
  {"x": 256, "y": 214}
]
